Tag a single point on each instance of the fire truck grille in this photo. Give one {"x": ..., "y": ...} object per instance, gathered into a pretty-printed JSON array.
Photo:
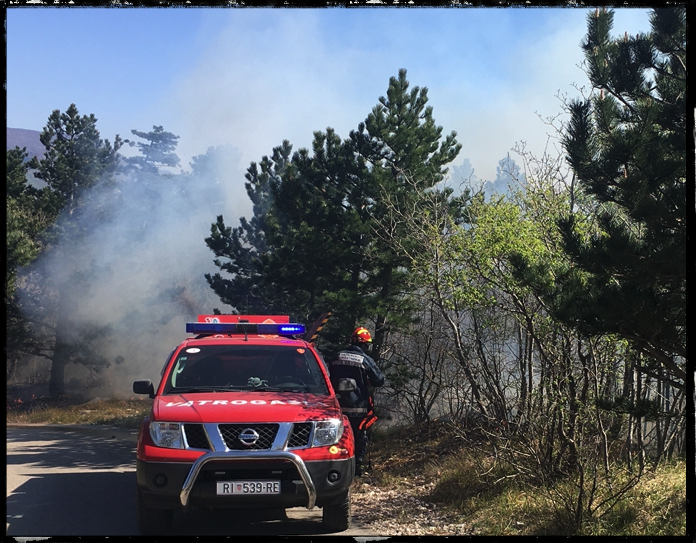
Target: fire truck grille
[
  {"x": 242, "y": 437},
  {"x": 195, "y": 436},
  {"x": 300, "y": 434}
]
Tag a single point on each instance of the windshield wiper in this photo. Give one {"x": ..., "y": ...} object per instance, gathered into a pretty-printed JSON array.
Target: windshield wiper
[
  {"x": 296, "y": 388},
  {"x": 190, "y": 390},
  {"x": 265, "y": 389}
]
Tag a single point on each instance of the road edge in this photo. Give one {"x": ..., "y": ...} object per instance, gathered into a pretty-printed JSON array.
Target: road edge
[{"x": 103, "y": 430}]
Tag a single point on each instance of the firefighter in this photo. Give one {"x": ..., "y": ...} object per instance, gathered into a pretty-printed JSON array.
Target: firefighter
[{"x": 352, "y": 373}]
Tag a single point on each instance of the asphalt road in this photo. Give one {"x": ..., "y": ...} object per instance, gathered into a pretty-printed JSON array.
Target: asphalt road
[{"x": 80, "y": 481}]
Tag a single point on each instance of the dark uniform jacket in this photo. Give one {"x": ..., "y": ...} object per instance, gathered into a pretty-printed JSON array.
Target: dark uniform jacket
[{"x": 353, "y": 363}]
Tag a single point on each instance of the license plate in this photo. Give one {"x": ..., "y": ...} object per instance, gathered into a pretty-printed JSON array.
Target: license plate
[{"x": 248, "y": 487}]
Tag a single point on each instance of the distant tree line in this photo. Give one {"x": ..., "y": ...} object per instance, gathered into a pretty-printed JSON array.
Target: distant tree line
[{"x": 552, "y": 317}]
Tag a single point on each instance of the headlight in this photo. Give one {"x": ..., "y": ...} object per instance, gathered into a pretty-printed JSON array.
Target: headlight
[
  {"x": 327, "y": 432},
  {"x": 167, "y": 434}
]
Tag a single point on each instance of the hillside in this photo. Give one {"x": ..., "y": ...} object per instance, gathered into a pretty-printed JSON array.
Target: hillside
[{"x": 20, "y": 137}]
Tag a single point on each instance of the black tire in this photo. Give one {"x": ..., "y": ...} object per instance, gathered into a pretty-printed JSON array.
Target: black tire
[
  {"x": 336, "y": 518},
  {"x": 153, "y": 521}
]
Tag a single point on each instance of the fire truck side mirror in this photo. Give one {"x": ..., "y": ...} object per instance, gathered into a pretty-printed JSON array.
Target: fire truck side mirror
[{"x": 144, "y": 387}]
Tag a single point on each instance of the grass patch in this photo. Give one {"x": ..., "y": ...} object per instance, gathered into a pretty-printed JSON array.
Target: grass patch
[
  {"x": 462, "y": 485},
  {"x": 656, "y": 506},
  {"x": 120, "y": 413},
  {"x": 462, "y": 477}
]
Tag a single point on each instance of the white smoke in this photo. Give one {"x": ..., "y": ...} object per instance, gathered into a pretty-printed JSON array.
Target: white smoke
[{"x": 139, "y": 270}]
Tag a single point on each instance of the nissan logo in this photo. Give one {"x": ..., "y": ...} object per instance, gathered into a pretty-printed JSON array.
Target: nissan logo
[{"x": 248, "y": 437}]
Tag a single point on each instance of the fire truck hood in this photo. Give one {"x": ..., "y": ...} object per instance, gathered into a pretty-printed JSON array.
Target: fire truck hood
[{"x": 250, "y": 407}]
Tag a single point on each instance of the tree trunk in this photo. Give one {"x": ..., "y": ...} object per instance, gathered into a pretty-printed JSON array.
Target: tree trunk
[
  {"x": 380, "y": 321},
  {"x": 62, "y": 350},
  {"x": 60, "y": 359}
]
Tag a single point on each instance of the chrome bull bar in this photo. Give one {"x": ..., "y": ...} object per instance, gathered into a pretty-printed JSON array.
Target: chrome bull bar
[{"x": 249, "y": 455}]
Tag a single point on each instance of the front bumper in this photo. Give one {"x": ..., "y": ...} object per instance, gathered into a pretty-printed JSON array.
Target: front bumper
[{"x": 171, "y": 485}]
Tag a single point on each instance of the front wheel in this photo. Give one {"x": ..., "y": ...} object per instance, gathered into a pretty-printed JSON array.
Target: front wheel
[
  {"x": 153, "y": 521},
  {"x": 336, "y": 518}
]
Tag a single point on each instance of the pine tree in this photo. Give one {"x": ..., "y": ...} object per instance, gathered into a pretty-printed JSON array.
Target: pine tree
[
  {"x": 312, "y": 243},
  {"x": 76, "y": 157},
  {"x": 29, "y": 212},
  {"x": 627, "y": 148},
  {"x": 157, "y": 153},
  {"x": 293, "y": 255},
  {"x": 76, "y": 162},
  {"x": 147, "y": 180},
  {"x": 405, "y": 154}
]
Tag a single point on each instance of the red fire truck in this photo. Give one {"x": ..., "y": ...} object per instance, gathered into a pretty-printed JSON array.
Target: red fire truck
[{"x": 244, "y": 416}]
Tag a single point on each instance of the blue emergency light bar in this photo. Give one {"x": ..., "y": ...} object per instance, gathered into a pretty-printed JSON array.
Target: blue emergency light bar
[{"x": 229, "y": 328}]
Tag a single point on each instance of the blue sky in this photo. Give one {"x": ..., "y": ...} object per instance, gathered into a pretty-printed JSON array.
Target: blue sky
[{"x": 251, "y": 78}]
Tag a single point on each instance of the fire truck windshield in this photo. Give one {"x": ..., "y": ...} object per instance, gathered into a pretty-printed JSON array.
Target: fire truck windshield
[{"x": 245, "y": 367}]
